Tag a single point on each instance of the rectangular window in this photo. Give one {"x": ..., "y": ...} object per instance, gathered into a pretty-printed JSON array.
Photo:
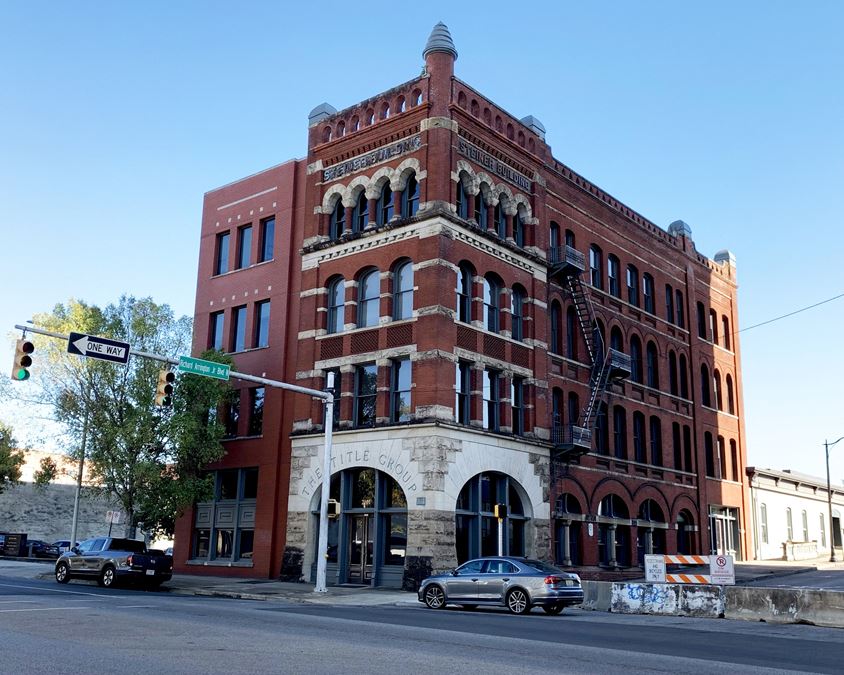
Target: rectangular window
[
  {"x": 648, "y": 293},
  {"x": 256, "y": 411},
  {"x": 244, "y": 246},
  {"x": 701, "y": 321},
  {"x": 400, "y": 391},
  {"x": 462, "y": 389},
  {"x": 238, "y": 329},
  {"x": 614, "y": 285},
  {"x": 805, "y": 525},
  {"x": 669, "y": 304},
  {"x": 789, "y": 525},
  {"x": 215, "y": 337},
  {"x": 709, "y": 452},
  {"x": 233, "y": 503},
  {"x": 763, "y": 518},
  {"x": 734, "y": 460},
  {"x": 713, "y": 327},
  {"x": 491, "y": 400},
  {"x": 639, "y": 438},
  {"x": 365, "y": 394},
  {"x": 823, "y": 530},
  {"x": 681, "y": 317},
  {"x": 231, "y": 416},
  {"x": 632, "y": 286},
  {"x": 517, "y": 399},
  {"x": 595, "y": 267},
  {"x": 266, "y": 246},
  {"x": 336, "y": 389},
  {"x": 262, "y": 323},
  {"x": 221, "y": 262}
]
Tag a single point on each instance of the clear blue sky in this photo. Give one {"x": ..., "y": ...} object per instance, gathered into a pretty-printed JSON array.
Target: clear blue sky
[{"x": 116, "y": 117}]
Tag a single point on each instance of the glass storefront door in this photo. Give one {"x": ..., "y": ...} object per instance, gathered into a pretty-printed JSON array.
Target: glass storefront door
[{"x": 360, "y": 549}]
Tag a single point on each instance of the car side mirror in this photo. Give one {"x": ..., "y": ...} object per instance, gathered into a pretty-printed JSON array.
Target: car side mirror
[
  {"x": 454, "y": 573},
  {"x": 75, "y": 549}
]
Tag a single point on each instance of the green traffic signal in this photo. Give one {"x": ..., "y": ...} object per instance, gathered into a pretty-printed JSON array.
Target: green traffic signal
[
  {"x": 21, "y": 374},
  {"x": 23, "y": 360}
]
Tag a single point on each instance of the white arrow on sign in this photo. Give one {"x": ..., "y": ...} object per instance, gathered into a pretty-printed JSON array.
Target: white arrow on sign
[{"x": 98, "y": 347}]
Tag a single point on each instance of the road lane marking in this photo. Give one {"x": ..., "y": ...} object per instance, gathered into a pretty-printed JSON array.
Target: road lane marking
[
  {"x": 43, "y": 609},
  {"x": 58, "y": 590},
  {"x": 8, "y": 602}
]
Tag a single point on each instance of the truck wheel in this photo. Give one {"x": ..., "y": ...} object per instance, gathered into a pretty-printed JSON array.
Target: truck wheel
[
  {"x": 62, "y": 573},
  {"x": 107, "y": 577}
]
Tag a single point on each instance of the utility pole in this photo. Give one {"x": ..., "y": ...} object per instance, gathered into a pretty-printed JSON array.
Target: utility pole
[
  {"x": 79, "y": 481},
  {"x": 827, "y": 446}
]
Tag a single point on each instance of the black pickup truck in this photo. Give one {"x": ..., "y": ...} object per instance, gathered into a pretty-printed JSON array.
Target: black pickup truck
[{"x": 111, "y": 560}]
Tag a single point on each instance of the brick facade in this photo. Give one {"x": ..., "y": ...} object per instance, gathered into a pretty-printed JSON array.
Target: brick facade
[{"x": 491, "y": 202}]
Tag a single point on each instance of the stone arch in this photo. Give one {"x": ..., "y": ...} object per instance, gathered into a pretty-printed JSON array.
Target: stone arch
[
  {"x": 376, "y": 182},
  {"x": 353, "y": 189},
  {"x": 523, "y": 206},
  {"x": 510, "y": 207},
  {"x": 608, "y": 486},
  {"x": 467, "y": 176},
  {"x": 487, "y": 187},
  {"x": 403, "y": 171},
  {"x": 648, "y": 491},
  {"x": 681, "y": 503},
  {"x": 573, "y": 487},
  {"x": 332, "y": 194}
]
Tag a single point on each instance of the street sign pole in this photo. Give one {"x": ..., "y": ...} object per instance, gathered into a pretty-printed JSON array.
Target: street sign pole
[{"x": 328, "y": 420}]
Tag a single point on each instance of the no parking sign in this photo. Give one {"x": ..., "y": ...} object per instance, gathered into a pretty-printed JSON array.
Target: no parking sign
[{"x": 721, "y": 570}]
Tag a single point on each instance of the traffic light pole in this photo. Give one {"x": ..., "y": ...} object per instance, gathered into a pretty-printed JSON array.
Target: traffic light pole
[{"x": 328, "y": 418}]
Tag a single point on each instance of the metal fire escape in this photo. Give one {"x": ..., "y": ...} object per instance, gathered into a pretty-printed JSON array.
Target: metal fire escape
[{"x": 566, "y": 264}]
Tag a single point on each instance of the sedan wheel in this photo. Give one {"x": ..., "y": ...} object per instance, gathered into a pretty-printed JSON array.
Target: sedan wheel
[
  {"x": 553, "y": 609},
  {"x": 107, "y": 577},
  {"x": 62, "y": 573},
  {"x": 518, "y": 602},
  {"x": 434, "y": 597}
]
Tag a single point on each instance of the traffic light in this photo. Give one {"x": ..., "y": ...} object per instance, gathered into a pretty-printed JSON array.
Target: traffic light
[
  {"x": 23, "y": 360},
  {"x": 501, "y": 510},
  {"x": 164, "y": 390}
]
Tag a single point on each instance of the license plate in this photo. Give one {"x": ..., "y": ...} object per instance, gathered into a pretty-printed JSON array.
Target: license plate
[{"x": 150, "y": 573}]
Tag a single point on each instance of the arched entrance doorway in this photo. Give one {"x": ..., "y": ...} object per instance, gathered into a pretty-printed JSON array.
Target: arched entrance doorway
[
  {"x": 686, "y": 533},
  {"x": 367, "y": 530},
  {"x": 650, "y": 535},
  {"x": 476, "y": 528},
  {"x": 568, "y": 521}
]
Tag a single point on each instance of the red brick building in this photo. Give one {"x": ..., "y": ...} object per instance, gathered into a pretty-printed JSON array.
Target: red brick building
[{"x": 501, "y": 330}]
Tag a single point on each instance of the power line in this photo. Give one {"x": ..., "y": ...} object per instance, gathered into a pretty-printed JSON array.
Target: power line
[{"x": 796, "y": 311}]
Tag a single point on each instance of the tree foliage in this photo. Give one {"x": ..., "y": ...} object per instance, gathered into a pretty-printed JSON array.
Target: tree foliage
[
  {"x": 150, "y": 459},
  {"x": 47, "y": 472},
  {"x": 11, "y": 459}
]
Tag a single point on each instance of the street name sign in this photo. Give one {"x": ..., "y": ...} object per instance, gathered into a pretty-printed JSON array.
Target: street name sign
[
  {"x": 96, "y": 347},
  {"x": 219, "y": 371}
]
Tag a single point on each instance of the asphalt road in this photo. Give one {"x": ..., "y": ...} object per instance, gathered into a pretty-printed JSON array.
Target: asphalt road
[{"x": 80, "y": 628}]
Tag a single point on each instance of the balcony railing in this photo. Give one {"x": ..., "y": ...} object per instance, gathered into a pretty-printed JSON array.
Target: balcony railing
[
  {"x": 620, "y": 365},
  {"x": 566, "y": 260},
  {"x": 571, "y": 438}
]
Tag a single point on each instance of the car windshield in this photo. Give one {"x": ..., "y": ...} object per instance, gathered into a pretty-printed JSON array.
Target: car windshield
[
  {"x": 131, "y": 545},
  {"x": 540, "y": 566}
]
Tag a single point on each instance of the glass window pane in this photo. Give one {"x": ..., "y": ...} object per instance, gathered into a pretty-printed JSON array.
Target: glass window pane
[
  {"x": 228, "y": 484},
  {"x": 250, "y": 483},
  {"x": 267, "y": 239},
  {"x": 245, "y": 544},
  {"x": 222, "y": 265},
  {"x": 363, "y": 489},
  {"x": 262, "y": 328},
  {"x": 244, "y": 246},
  {"x": 256, "y": 411},
  {"x": 395, "y": 527},
  {"x": 224, "y": 544}
]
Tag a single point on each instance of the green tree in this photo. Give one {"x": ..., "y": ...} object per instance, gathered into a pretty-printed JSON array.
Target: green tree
[
  {"x": 149, "y": 459},
  {"x": 11, "y": 459},
  {"x": 47, "y": 472}
]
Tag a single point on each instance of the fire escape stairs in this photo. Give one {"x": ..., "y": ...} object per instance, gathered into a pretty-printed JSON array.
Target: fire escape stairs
[{"x": 606, "y": 365}]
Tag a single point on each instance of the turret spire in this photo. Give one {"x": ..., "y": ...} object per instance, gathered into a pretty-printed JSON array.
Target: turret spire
[{"x": 440, "y": 41}]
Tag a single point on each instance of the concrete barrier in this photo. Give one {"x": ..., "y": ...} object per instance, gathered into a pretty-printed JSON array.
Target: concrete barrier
[{"x": 775, "y": 605}]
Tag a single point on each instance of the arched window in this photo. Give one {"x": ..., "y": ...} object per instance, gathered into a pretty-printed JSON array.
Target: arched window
[
  {"x": 595, "y": 266},
  {"x": 355, "y": 123},
  {"x": 369, "y": 293},
  {"x": 701, "y": 321},
  {"x": 731, "y": 405},
  {"x": 341, "y": 129},
  {"x": 639, "y": 438},
  {"x": 709, "y": 454},
  {"x": 403, "y": 291},
  {"x": 684, "y": 377},
  {"x": 573, "y": 408},
  {"x": 518, "y": 229},
  {"x": 410, "y": 197},
  {"x": 385, "y": 111},
  {"x": 705, "y": 399},
  {"x": 556, "y": 320},
  {"x": 619, "y": 429},
  {"x": 360, "y": 214},
  {"x": 725, "y": 327},
  {"x": 475, "y": 108},
  {"x": 571, "y": 333},
  {"x": 492, "y": 304},
  {"x": 337, "y": 221},
  {"x": 613, "y": 544},
  {"x": 669, "y": 304},
  {"x": 636, "y": 359},
  {"x": 734, "y": 463},
  {"x": 602, "y": 435},
  {"x": 462, "y": 200},
  {"x": 499, "y": 217},
  {"x": 464, "y": 293},
  {"x": 633, "y": 285},
  {"x": 417, "y": 97},
  {"x": 384, "y": 205},
  {"x": 616, "y": 339},
  {"x": 681, "y": 317},
  {"x": 401, "y": 105},
  {"x": 336, "y": 305},
  {"x": 656, "y": 441},
  {"x": 326, "y": 134},
  {"x": 648, "y": 293},
  {"x": 672, "y": 374},
  {"x": 653, "y": 365},
  {"x": 476, "y": 530},
  {"x": 554, "y": 242},
  {"x": 716, "y": 389},
  {"x": 677, "y": 446},
  {"x": 685, "y": 533},
  {"x": 517, "y": 309},
  {"x": 613, "y": 272},
  {"x": 481, "y": 215},
  {"x": 713, "y": 326}
]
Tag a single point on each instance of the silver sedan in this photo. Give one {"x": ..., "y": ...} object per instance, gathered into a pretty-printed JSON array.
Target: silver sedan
[{"x": 516, "y": 583}]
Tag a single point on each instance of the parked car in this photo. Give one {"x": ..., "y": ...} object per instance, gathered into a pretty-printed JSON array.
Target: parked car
[
  {"x": 111, "y": 560},
  {"x": 516, "y": 583},
  {"x": 41, "y": 549},
  {"x": 63, "y": 545}
]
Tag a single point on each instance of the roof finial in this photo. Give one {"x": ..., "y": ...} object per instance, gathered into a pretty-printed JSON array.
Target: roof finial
[{"x": 440, "y": 41}]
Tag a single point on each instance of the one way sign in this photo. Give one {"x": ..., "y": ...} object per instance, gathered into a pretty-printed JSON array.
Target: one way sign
[{"x": 98, "y": 348}]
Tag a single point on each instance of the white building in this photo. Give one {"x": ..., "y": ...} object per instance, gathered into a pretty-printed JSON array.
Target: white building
[{"x": 791, "y": 518}]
